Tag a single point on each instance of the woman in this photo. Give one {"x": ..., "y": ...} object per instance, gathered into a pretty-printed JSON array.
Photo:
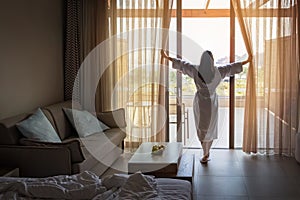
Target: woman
[{"x": 207, "y": 78}]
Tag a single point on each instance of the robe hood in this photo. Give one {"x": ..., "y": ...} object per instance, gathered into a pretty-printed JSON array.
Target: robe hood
[{"x": 206, "y": 67}]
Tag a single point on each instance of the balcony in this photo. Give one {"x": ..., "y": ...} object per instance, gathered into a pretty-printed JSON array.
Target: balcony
[{"x": 223, "y": 123}]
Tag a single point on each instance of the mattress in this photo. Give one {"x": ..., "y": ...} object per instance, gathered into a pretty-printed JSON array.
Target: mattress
[{"x": 174, "y": 189}]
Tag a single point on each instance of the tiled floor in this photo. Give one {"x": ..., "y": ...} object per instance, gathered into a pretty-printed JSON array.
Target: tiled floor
[{"x": 232, "y": 174}]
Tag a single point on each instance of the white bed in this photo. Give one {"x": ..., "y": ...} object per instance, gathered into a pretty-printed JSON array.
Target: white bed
[
  {"x": 87, "y": 185},
  {"x": 174, "y": 189}
]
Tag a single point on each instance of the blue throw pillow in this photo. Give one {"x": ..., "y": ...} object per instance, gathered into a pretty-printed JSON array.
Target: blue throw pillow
[
  {"x": 38, "y": 127},
  {"x": 84, "y": 122}
]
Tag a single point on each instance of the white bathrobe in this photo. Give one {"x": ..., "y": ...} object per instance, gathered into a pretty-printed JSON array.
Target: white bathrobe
[{"x": 206, "y": 99}]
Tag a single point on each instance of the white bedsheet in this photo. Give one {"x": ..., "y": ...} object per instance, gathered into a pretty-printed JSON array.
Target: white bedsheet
[
  {"x": 88, "y": 185},
  {"x": 81, "y": 186}
]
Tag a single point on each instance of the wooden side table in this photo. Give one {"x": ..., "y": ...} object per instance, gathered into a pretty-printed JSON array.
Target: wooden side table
[
  {"x": 9, "y": 172},
  {"x": 185, "y": 169}
]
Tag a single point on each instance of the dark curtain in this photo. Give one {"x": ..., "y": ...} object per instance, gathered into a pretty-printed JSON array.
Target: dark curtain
[
  {"x": 72, "y": 46},
  {"x": 86, "y": 25}
]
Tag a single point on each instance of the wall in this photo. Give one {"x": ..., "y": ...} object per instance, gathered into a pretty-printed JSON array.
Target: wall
[{"x": 31, "y": 55}]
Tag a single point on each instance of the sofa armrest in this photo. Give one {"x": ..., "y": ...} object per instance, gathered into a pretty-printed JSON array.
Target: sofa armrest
[
  {"x": 113, "y": 119},
  {"x": 36, "y": 161},
  {"x": 72, "y": 144}
]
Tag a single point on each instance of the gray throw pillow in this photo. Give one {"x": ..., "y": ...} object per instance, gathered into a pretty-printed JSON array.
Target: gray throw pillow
[
  {"x": 38, "y": 127},
  {"x": 84, "y": 122}
]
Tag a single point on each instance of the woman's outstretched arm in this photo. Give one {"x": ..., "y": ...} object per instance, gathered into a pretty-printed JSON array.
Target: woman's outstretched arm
[
  {"x": 233, "y": 68},
  {"x": 181, "y": 65}
]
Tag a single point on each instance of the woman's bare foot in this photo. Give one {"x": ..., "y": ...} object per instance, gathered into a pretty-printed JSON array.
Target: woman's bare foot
[{"x": 205, "y": 159}]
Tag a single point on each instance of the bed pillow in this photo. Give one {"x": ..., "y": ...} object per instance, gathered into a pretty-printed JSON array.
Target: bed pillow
[
  {"x": 38, "y": 127},
  {"x": 84, "y": 122}
]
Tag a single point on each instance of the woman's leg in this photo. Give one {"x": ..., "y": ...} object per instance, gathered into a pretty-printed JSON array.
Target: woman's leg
[{"x": 206, "y": 145}]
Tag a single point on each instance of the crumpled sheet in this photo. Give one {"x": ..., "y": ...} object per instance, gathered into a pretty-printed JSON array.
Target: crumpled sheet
[
  {"x": 135, "y": 186},
  {"x": 85, "y": 185}
]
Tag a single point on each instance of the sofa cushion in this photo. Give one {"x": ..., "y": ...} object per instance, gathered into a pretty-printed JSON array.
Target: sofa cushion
[
  {"x": 37, "y": 126},
  {"x": 89, "y": 162},
  {"x": 98, "y": 166},
  {"x": 84, "y": 122},
  {"x": 113, "y": 119},
  {"x": 50, "y": 118},
  {"x": 100, "y": 144},
  {"x": 115, "y": 135},
  {"x": 62, "y": 124}
]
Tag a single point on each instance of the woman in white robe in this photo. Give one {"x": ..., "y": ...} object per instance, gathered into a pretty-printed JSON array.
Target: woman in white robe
[{"x": 205, "y": 105}]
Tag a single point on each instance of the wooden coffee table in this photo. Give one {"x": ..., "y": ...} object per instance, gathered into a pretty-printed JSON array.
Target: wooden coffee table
[{"x": 171, "y": 163}]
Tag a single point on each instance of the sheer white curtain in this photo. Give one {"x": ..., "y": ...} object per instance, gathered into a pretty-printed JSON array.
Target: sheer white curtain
[
  {"x": 120, "y": 43},
  {"x": 269, "y": 30},
  {"x": 140, "y": 29}
]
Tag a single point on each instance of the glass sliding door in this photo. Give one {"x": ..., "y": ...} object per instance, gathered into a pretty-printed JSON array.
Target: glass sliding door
[
  {"x": 213, "y": 28},
  {"x": 206, "y": 33},
  {"x": 176, "y": 119}
]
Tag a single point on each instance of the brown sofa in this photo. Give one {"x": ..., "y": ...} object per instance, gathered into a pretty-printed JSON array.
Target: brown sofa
[{"x": 40, "y": 159}]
